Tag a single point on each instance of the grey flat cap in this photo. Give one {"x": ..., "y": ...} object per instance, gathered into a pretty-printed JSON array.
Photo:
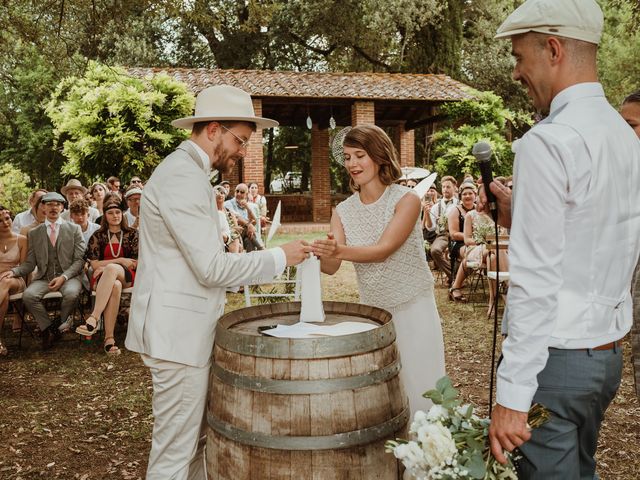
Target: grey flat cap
[{"x": 52, "y": 197}]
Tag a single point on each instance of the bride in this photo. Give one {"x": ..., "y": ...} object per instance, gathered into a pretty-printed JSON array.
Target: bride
[{"x": 378, "y": 229}]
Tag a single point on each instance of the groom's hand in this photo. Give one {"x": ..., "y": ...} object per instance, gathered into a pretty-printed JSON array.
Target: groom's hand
[{"x": 507, "y": 431}]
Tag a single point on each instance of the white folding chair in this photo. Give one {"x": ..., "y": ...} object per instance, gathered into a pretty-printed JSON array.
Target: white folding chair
[{"x": 287, "y": 278}]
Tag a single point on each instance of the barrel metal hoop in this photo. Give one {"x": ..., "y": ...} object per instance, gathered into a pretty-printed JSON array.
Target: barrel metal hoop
[
  {"x": 302, "y": 387},
  {"x": 325, "y": 442},
  {"x": 305, "y": 348}
]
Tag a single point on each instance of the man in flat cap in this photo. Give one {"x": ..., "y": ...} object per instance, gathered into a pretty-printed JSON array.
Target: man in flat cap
[
  {"x": 574, "y": 242},
  {"x": 183, "y": 272},
  {"x": 57, "y": 248}
]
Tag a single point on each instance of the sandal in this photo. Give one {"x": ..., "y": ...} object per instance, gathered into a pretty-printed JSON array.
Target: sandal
[
  {"x": 457, "y": 298},
  {"x": 87, "y": 329},
  {"x": 111, "y": 348}
]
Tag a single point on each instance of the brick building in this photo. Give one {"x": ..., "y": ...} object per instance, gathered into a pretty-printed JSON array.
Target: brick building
[{"x": 401, "y": 101}]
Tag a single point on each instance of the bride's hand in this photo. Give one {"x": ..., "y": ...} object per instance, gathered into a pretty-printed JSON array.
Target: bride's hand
[{"x": 325, "y": 248}]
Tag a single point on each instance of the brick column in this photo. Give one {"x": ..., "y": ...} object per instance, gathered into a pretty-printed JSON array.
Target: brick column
[
  {"x": 320, "y": 176},
  {"x": 362, "y": 112},
  {"x": 253, "y": 164},
  {"x": 404, "y": 140}
]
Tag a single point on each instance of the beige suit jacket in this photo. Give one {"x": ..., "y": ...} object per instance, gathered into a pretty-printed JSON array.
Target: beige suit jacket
[{"x": 183, "y": 270}]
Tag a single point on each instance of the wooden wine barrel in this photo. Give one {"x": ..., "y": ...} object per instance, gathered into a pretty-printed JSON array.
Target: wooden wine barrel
[{"x": 319, "y": 408}]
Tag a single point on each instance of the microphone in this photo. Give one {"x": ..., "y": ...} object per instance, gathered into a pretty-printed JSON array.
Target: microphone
[{"x": 482, "y": 152}]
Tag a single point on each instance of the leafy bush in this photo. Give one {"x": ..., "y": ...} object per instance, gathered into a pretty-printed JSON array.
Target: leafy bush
[
  {"x": 481, "y": 118},
  {"x": 112, "y": 124},
  {"x": 14, "y": 189}
]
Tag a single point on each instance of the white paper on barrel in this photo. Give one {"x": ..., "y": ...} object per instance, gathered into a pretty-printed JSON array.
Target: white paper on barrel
[
  {"x": 310, "y": 290},
  {"x": 309, "y": 330}
]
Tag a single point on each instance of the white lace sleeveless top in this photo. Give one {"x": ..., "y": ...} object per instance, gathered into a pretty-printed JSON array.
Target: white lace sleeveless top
[{"x": 405, "y": 274}]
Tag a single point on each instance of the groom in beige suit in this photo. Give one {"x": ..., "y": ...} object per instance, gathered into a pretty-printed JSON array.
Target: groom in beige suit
[{"x": 183, "y": 272}]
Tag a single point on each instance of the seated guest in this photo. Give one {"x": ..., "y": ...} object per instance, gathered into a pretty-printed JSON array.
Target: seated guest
[
  {"x": 79, "y": 211},
  {"x": 245, "y": 217},
  {"x": 28, "y": 216},
  {"x": 132, "y": 197},
  {"x": 630, "y": 111},
  {"x": 13, "y": 251},
  {"x": 136, "y": 182},
  {"x": 457, "y": 249},
  {"x": 113, "y": 184},
  {"x": 72, "y": 191},
  {"x": 56, "y": 248},
  {"x": 227, "y": 188},
  {"x": 98, "y": 192},
  {"x": 113, "y": 254},
  {"x": 478, "y": 229},
  {"x": 40, "y": 216},
  {"x": 228, "y": 226},
  {"x": 260, "y": 201},
  {"x": 79, "y": 214}
]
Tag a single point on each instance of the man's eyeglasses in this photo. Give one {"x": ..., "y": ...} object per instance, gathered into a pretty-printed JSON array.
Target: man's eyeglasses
[
  {"x": 136, "y": 181},
  {"x": 241, "y": 191},
  {"x": 243, "y": 143}
]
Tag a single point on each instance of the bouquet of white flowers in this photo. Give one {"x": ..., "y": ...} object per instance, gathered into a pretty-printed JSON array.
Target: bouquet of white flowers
[{"x": 451, "y": 442}]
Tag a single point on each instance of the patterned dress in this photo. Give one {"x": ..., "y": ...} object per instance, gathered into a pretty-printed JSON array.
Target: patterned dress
[{"x": 403, "y": 285}]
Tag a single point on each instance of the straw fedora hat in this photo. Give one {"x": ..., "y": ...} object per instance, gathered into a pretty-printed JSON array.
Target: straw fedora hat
[
  {"x": 71, "y": 184},
  {"x": 224, "y": 102}
]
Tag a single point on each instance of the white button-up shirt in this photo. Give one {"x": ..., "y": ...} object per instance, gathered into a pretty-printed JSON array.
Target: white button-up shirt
[
  {"x": 575, "y": 237},
  {"x": 22, "y": 220},
  {"x": 278, "y": 254}
]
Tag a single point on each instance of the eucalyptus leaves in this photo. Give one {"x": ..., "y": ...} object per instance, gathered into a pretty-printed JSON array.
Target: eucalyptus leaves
[{"x": 451, "y": 442}]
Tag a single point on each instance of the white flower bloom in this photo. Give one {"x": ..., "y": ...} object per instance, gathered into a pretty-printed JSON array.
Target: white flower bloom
[
  {"x": 437, "y": 412},
  {"x": 438, "y": 446},
  {"x": 412, "y": 457},
  {"x": 419, "y": 419}
]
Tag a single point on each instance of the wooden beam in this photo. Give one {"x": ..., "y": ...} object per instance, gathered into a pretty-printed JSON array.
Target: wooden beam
[{"x": 431, "y": 119}]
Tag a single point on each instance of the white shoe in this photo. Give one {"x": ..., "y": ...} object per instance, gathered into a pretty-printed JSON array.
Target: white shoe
[{"x": 66, "y": 325}]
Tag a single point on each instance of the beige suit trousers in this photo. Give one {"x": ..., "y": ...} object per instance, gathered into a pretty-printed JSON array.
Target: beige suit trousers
[{"x": 179, "y": 401}]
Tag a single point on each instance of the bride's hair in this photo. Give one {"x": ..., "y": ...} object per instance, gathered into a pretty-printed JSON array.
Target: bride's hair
[{"x": 378, "y": 145}]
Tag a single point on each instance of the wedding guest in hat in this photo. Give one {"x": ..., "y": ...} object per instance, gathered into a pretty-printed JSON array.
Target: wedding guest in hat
[
  {"x": 132, "y": 196},
  {"x": 56, "y": 248},
  {"x": 72, "y": 191},
  {"x": 183, "y": 273},
  {"x": 573, "y": 245}
]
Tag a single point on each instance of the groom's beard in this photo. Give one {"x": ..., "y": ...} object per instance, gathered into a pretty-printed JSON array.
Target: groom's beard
[{"x": 225, "y": 161}]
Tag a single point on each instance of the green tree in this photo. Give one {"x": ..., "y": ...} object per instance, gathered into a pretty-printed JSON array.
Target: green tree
[
  {"x": 619, "y": 56},
  {"x": 109, "y": 123},
  {"x": 26, "y": 133},
  {"x": 14, "y": 188},
  {"x": 483, "y": 118}
]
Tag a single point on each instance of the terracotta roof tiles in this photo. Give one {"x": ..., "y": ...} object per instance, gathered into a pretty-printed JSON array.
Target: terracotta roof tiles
[{"x": 369, "y": 86}]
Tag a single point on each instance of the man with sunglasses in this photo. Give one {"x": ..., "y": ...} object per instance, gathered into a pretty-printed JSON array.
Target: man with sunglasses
[
  {"x": 238, "y": 205},
  {"x": 183, "y": 273}
]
